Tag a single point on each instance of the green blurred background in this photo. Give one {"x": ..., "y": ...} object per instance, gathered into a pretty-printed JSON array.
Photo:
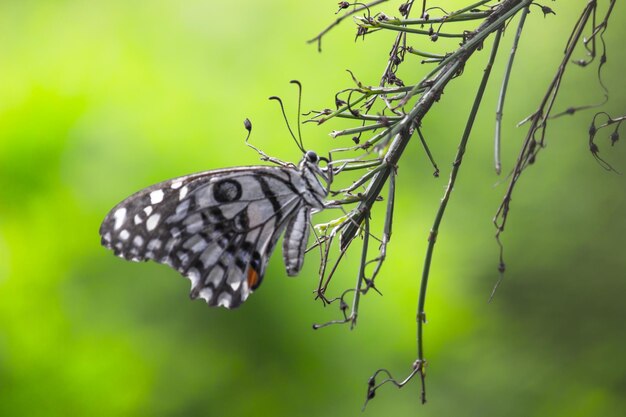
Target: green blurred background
[{"x": 100, "y": 99}]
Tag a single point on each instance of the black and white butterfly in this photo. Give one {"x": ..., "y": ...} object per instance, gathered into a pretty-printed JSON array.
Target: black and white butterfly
[{"x": 219, "y": 228}]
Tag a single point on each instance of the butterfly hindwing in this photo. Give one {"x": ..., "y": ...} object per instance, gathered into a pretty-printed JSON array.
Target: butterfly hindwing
[
  {"x": 295, "y": 241},
  {"x": 218, "y": 228}
]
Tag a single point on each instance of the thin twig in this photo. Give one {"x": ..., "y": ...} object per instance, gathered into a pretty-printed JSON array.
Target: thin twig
[
  {"x": 538, "y": 125},
  {"x": 503, "y": 90},
  {"x": 456, "y": 166},
  {"x": 337, "y": 21}
]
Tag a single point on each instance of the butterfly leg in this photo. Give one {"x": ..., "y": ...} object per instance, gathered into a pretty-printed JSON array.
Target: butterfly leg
[{"x": 266, "y": 157}]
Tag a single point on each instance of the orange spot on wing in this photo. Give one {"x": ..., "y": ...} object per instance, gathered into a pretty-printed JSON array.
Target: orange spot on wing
[{"x": 253, "y": 278}]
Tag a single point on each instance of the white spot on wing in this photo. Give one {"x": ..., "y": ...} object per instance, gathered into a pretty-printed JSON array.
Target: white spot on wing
[
  {"x": 138, "y": 241},
  {"x": 206, "y": 294},
  {"x": 176, "y": 184},
  {"x": 119, "y": 216},
  {"x": 194, "y": 276},
  {"x": 138, "y": 219},
  {"x": 124, "y": 234},
  {"x": 147, "y": 210},
  {"x": 224, "y": 300},
  {"x": 153, "y": 221},
  {"x": 156, "y": 196},
  {"x": 235, "y": 285},
  {"x": 107, "y": 236},
  {"x": 183, "y": 192}
]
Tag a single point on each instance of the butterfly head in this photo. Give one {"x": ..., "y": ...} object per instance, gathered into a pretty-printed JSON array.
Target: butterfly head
[
  {"x": 311, "y": 157},
  {"x": 311, "y": 162}
]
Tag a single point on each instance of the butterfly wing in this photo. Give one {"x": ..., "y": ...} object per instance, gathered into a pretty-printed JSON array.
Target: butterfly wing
[
  {"x": 296, "y": 238},
  {"x": 218, "y": 228}
]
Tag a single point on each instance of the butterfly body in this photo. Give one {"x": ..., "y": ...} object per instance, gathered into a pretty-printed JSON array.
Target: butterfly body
[{"x": 218, "y": 228}]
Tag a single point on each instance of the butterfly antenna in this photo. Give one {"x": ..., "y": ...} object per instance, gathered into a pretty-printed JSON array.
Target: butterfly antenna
[
  {"x": 296, "y": 82},
  {"x": 282, "y": 109},
  {"x": 248, "y": 125}
]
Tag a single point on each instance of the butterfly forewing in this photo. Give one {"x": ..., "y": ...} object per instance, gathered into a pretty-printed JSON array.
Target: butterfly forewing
[{"x": 218, "y": 228}]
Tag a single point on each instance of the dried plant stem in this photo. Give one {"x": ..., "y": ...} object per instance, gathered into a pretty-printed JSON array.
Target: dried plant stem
[
  {"x": 400, "y": 109},
  {"x": 402, "y": 130},
  {"x": 394, "y": 140},
  {"x": 456, "y": 166},
  {"x": 539, "y": 121},
  {"x": 503, "y": 89},
  {"x": 337, "y": 21}
]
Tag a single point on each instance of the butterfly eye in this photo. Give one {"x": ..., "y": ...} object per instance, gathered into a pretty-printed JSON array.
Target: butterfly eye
[{"x": 311, "y": 156}]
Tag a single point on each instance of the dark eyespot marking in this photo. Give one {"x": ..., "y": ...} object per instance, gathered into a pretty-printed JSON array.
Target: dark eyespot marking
[
  {"x": 311, "y": 157},
  {"x": 226, "y": 191}
]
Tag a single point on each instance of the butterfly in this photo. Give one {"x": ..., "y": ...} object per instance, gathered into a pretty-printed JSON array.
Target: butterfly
[{"x": 218, "y": 228}]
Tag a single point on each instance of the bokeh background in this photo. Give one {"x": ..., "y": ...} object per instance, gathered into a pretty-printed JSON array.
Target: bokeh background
[{"x": 100, "y": 99}]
